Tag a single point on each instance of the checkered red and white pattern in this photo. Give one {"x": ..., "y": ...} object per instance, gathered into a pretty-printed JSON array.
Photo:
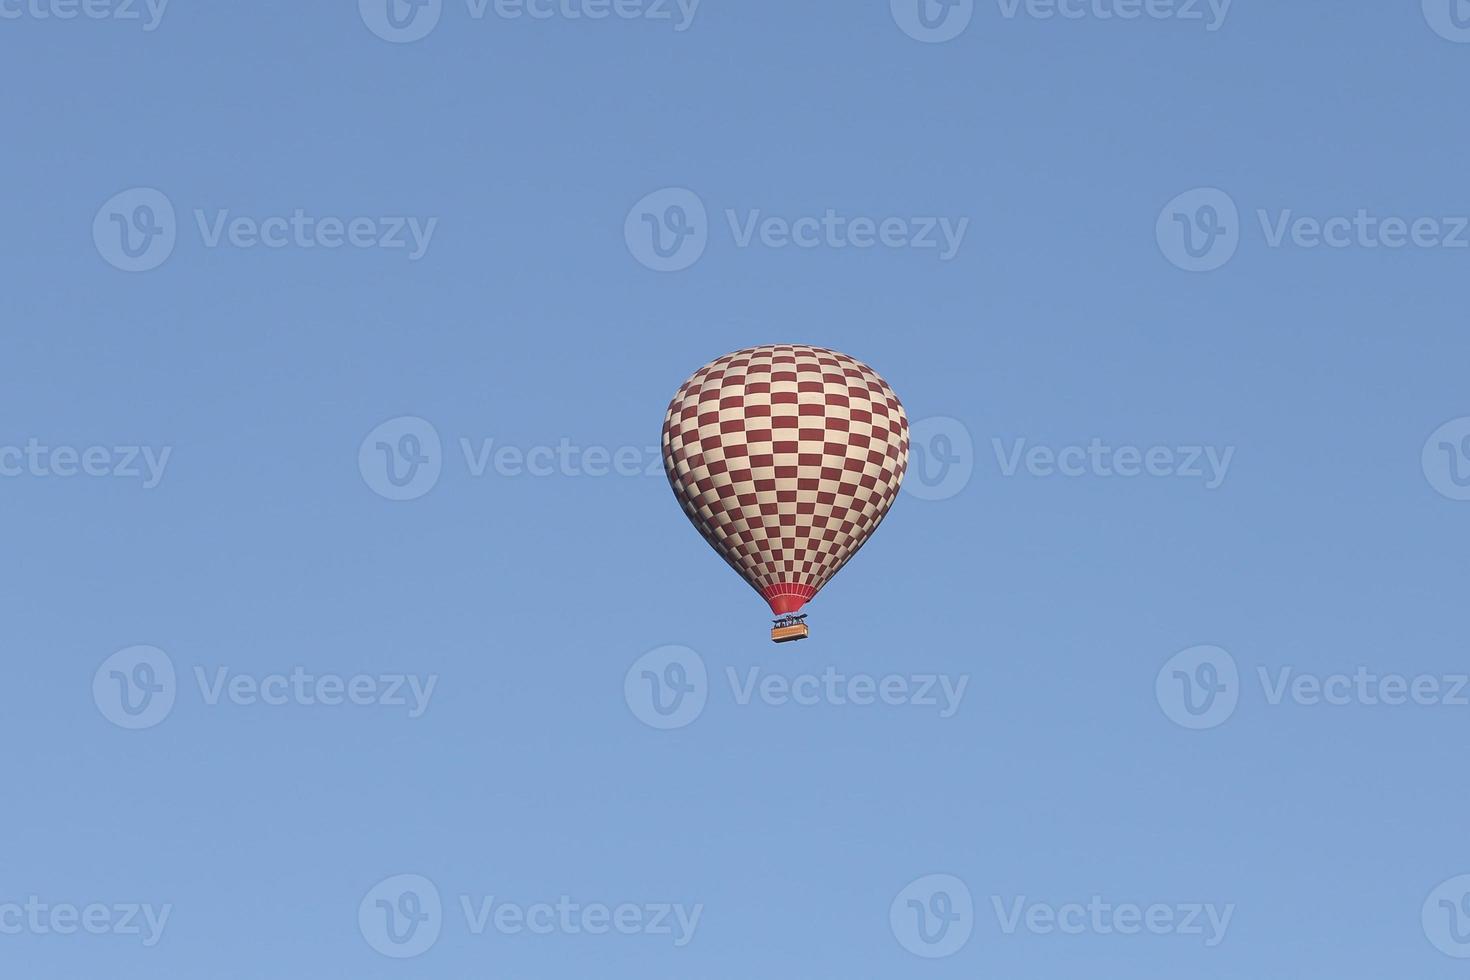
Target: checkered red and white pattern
[{"x": 786, "y": 457}]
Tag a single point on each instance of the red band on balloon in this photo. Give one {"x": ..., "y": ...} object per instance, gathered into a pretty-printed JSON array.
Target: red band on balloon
[{"x": 787, "y": 597}]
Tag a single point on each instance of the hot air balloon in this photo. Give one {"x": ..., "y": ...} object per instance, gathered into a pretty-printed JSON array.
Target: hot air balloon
[{"x": 785, "y": 458}]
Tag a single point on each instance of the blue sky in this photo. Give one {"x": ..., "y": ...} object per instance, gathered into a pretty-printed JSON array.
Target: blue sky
[{"x": 1155, "y": 667}]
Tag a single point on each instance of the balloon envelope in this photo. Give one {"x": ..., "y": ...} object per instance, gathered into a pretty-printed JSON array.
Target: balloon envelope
[{"x": 785, "y": 458}]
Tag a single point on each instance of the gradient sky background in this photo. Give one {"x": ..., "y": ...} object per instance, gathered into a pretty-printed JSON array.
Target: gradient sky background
[{"x": 528, "y": 321}]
